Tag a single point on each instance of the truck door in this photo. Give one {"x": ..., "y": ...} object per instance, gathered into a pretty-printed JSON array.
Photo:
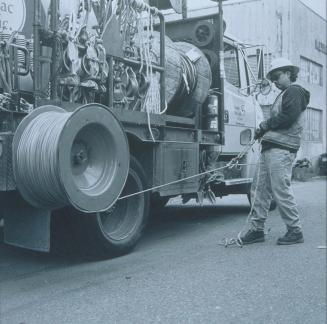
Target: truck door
[
  {"x": 239, "y": 107},
  {"x": 248, "y": 82}
]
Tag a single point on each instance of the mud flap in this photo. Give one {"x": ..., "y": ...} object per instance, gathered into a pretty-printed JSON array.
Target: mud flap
[{"x": 27, "y": 227}]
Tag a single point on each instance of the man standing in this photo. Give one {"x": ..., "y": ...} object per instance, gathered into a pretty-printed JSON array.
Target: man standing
[{"x": 280, "y": 140}]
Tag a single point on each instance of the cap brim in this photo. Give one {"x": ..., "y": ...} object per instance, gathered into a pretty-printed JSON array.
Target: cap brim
[{"x": 294, "y": 67}]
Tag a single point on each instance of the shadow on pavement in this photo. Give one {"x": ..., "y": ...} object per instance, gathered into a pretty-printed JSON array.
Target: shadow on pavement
[{"x": 171, "y": 220}]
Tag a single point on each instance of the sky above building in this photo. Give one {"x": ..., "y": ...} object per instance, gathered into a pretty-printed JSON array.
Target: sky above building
[{"x": 319, "y": 6}]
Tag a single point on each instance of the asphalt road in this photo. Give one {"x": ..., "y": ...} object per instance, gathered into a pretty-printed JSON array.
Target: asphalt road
[{"x": 179, "y": 274}]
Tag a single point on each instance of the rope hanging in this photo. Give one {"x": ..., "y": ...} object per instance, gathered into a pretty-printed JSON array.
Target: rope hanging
[
  {"x": 136, "y": 23},
  {"x": 144, "y": 38}
]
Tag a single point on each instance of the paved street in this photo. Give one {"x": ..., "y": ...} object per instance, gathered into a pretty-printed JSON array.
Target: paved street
[{"x": 179, "y": 274}]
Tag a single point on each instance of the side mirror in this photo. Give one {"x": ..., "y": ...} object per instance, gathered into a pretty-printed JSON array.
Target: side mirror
[{"x": 245, "y": 136}]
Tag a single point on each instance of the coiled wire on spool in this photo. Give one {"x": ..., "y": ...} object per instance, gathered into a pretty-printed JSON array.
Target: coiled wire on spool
[
  {"x": 189, "y": 76},
  {"x": 38, "y": 155},
  {"x": 79, "y": 158}
]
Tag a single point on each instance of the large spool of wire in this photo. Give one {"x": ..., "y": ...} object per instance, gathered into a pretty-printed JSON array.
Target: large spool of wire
[
  {"x": 188, "y": 76},
  {"x": 198, "y": 76},
  {"x": 173, "y": 63},
  {"x": 62, "y": 158}
]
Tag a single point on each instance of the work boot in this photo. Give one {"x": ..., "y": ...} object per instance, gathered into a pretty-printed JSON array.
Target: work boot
[
  {"x": 253, "y": 236},
  {"x": 291, "y": 237}
]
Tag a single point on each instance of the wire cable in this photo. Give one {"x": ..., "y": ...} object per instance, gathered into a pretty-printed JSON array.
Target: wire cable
[
  {"x": 37, "y": 160},
  {"x": 229, "y": 165}
]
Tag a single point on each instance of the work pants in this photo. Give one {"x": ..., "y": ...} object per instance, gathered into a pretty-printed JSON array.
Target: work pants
[{"x": 272, "y": 180}]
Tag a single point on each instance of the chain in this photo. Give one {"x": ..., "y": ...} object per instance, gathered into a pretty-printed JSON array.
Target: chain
[{"x": 233, "y": 162}]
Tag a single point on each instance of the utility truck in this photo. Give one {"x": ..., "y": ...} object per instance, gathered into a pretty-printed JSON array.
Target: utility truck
[{"x": 106, "y": 111}]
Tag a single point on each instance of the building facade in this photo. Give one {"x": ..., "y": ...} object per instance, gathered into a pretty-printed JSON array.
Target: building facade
[{"x": 290, "y": 29}]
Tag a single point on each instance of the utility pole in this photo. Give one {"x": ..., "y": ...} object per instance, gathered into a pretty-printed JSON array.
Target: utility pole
[
  {"x": 221, "y": 106},
  {"x": 184, "y": 9}
]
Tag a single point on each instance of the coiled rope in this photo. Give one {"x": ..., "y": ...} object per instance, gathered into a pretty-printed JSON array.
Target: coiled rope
[{"x": 37, "y": 160}]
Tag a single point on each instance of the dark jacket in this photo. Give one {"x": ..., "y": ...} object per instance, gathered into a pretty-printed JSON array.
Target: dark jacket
[{"x": 284, "y": 125}]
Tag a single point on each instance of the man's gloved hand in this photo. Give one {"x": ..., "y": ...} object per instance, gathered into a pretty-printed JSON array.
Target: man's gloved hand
[{"x": 259, "y": 132}]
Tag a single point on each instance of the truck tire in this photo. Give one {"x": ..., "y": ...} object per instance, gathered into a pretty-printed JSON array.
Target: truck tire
[
  {"x": 116, "y": 231},
  {"x": 273, "y": 204}
]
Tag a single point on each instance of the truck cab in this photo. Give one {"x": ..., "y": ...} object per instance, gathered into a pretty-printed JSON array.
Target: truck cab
[{"x": 242, "y": 112}]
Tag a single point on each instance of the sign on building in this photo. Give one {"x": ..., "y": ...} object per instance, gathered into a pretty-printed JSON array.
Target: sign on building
[{"x": 320, "y": 46}]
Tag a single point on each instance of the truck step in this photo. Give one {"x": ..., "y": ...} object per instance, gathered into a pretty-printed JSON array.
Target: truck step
[{"x": 237, "y": 181}]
